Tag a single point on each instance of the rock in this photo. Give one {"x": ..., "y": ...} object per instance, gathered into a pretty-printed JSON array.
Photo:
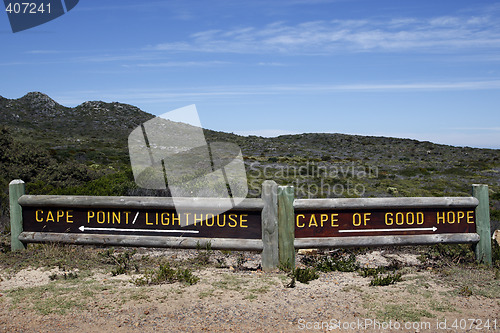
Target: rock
[
  {"x": 308, "y": 251},
  {"x": 392, "y": 190},
  {"x": 496, "y": 236}
]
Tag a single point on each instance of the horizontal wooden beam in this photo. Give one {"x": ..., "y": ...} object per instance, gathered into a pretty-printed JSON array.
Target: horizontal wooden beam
[
  {"x": 143, "y": 241},
  {"x": 250, "y": 204},
  {"x": 384, "y": 203},
  {"x": 361, "y": 241}
]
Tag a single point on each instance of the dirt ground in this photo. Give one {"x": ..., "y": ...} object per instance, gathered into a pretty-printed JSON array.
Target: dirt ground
[{"x": 241, "y": 298}]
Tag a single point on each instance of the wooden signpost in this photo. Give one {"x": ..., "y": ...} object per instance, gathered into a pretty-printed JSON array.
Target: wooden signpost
[
  {"x": 140, "y": 221},
  {"x": 105, "y": 217},
  {"x": 382, "y": 217},
  {"x": 389, "y": 221},
  {"x": 275, "y": 224}
]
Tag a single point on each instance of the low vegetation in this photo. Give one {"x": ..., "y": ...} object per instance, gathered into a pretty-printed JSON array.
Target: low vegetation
[
  {"x": 303, "y": 275},
  {"x": 59, "y": 155},
  {"x": 51, "y": 148},
  {"x": 386, "y": 280},
  {"x": 166, "y": 274},
  {"x": 122, "y": 261}
]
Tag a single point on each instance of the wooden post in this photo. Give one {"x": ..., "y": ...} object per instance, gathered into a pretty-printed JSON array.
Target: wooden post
[
  {"x": 16, "y": 190},
  {"x": 286, "y": 227},
  {"x": 483, "y": 248},
  {"x": 270, "y": 258}
]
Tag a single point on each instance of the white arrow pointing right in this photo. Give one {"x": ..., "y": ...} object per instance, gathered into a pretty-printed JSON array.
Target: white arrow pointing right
[{"x": 433, "y": 229}]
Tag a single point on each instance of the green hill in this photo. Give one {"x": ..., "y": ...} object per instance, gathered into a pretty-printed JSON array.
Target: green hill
[{"x": 83, "y": 150}]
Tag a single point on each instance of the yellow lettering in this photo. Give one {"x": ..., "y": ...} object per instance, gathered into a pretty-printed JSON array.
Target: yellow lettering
[
  {"x": 231, "y": 218},
  {"x": 323, "y": 218},
  {"x": 36, "y": 215},
  {"x": 389, "y": 218},
  {"x": 69, "y": 217},
  {"x": 200, "y": 219},
  {"x": 299, "y": 216},
  {"x": 126, "y": 217},
  {"x": 420, "y": 218},
  {"x": 165, "y": 220},
  {"x": 50, "y": 217},
  {"x": 101, "y": 217},
  {"x": 313, "y": 218},
  {"x": 242, "y": 220},
  {"x": 209, "y": 221},
  {"x": 175, "y": 218},
  {"x": 223, "y": 222},
  {"x": 399, "y": 218},
  {"x": 451, "y": 217},
  {"x": 460, "y": 215},
  {"x": 408, "y": 220},
  {"x": 334, "y": 219},
  {"x": 470, "y": 216},
  {"x": 366, "y": 217},
  {"x": 440, "y": 218},
  {"x": 147, "y": 219},
  {"x": 59, "y": 215},
  {"x": 116, "y": 217},
  {"x": 90, "y": 215},
  {"x": 356, "y": 219}
]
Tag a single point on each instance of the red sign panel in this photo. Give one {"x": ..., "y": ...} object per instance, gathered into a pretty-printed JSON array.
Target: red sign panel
[{"x": 380, "y": 222}]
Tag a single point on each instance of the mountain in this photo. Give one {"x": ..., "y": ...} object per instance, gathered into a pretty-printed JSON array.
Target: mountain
[
  {"x": 83, "y": 150},
  {"x": 38, "y": 112},
  {"x": 98, "y": 131},
  {"x": 37, "y": 117},
  {"x": 92, "y": 131}
]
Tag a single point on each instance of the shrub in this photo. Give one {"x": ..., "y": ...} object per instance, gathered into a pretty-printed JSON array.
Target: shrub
[
  {"x": 373, "y": 272},
  {"x": 167, "y": 274},
  {"x": 123, "y": 261},
  {"x": 335, "y": 262},
  {"x": 454, "y": 252},
  {"x": 386, "y": 280},
  {"x": 305, "y": 275}
]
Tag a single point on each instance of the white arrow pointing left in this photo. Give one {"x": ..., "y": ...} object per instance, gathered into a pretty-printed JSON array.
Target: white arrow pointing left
[{"x": 83, "y": 228}]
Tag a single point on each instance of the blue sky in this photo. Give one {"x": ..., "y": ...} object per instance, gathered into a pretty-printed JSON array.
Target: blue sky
[{"x": 428, "y": 70}]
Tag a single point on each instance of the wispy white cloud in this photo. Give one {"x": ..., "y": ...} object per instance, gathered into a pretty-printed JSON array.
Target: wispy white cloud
[
  {"x": 438, "y": 34},
  {"x": 111, "y": 57},
  {"x": 181, "y": 64},
  {"x": 492, "y": 129},
  {"x": 119, "y": 6},
  {"x": 274, "y": 64},
  {"x": 126, "y": 60},
  {"x": 137, "y": 96},
  {"x": 268, "y": 133},
  {"x": 43, "y": 52},
  {"x": 418, "y": 86}
]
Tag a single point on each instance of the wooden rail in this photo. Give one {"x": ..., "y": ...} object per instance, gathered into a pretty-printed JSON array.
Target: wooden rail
[{"x": 275, "y": 224}]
